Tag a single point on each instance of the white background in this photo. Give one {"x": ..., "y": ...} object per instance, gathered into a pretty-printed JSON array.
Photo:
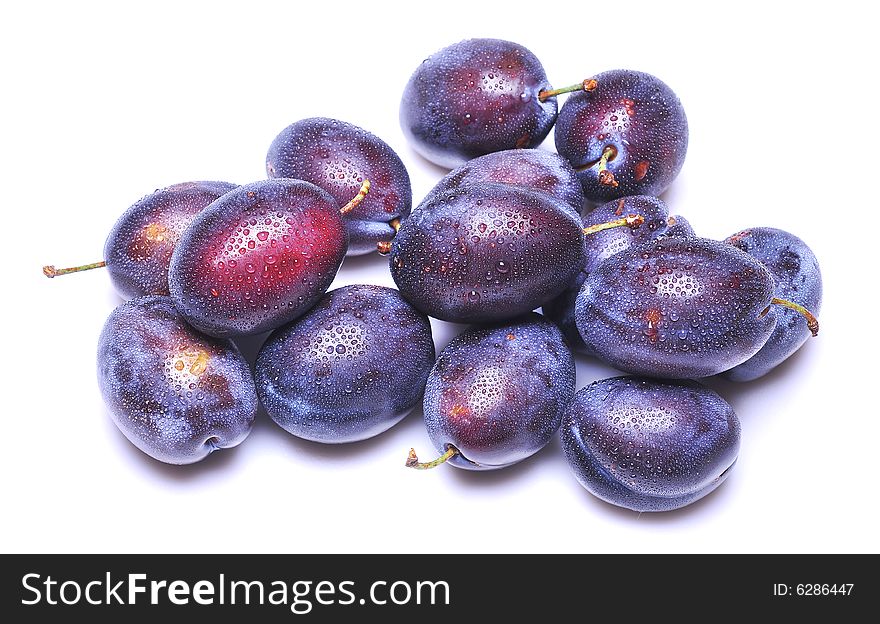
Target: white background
[{"x": 102, "y": 104}]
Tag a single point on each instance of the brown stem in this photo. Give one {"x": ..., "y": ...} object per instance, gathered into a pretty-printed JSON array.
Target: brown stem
[
  {"x": 384, "y": 247},
  {"x": 606, "y": 178},
  {"x": 412, "y": 460},
  {"x": 50, "y": 271},
  {"x": 357, "y": 199}
]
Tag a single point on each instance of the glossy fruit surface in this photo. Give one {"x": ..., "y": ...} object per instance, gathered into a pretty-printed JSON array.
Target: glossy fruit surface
[
  {"x": 532, "y": 169},
  {"x": 258, "y": 257},
  {"x": 637, "y": 121},
  {"x": 176, "y": 394},
  {"x": 677, "y": 308},
  {"x": 677, "y": 225},
  {"x": 475, "y": 97},
  {"x": 796, "y": 274},
  {"x": 139, "y": 247},
  {"x": 486, "y": 253},
  {"x": 338, "y": 156},
  {"x": 497, "y": 393},
  {"x": 349, "y": 369},
  {"x": 647, "y": 445},
  {"x": 602, "y": 245}
]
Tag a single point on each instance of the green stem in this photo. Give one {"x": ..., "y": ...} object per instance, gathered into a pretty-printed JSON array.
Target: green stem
[
  {"x": 50, "y": 271},
  {"x": 586, "y": 85},
  {"x": 412, "y": 461}
]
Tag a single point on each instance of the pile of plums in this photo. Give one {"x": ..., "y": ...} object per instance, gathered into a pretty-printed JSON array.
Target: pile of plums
[{"x": 580, "y": 234}]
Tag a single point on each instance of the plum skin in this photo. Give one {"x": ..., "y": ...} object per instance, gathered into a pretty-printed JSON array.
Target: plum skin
[
  {"x": 531, "y": 169},
  {"x": 176, "y": 394},
  {"x": 648, "y": 445},
  {"x": 475, "y": 97},
  {"x": 797, "y": 277},
  {"x": 497, "y": 393},
  {"x": 139, "y": 247},
  {"x": 676, "y": 308},
  {"x": 602, "y": 245},
  {"x": 338, "y": 156},
  {"x": 349, "y": 369},
  {"x": 640, "y": 117},
  {"x": 486, "y": 253},
  {"x": 257, "y": 258}
]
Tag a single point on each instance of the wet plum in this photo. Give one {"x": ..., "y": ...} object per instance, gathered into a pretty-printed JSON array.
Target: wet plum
[
  {"x": 349, "y": 369},
  {"x": 795, "y": 271},
  {"x": 258, "y": 257},
  {"x": 176, "y": 394},
  {"x": 648, "y": 445},
  {"x": 139, "y": 247},
  {"x": 627, "y": 135},
  {"x": 475, "y": 97},
  {"x": 533, "y": 169},
  {"x": 602, "y": 245},
  {"x": 497, "y": 393},
  {"x": 486, "y": 253},
  {"x": 338, "y": 156},
  {"x": 677, "y": 308}
]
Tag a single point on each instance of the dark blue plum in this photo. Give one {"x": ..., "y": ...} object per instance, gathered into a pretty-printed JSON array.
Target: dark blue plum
[
  {"x": 497, "y": 393},
  {"x": 532, "y": 169},
  {"x": 176, "y": 394},
  {"x": 139, "y": 247},
  {"x": 349, "y": 369},
  {"x": 338, "y": 156},
  {"x": 475, "y": 97},
  {"x": 258, "y": 257},
  {"x": 486, "y": 253},
  {"x": 795, "y": 271},
  {"x": 637, "y": 122},
  {"x": 677, "y": 308},
  {"x": 602, "y": 245},
  {"x": 647, "y": 445}
]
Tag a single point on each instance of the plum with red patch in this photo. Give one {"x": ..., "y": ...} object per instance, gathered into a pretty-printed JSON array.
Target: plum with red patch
[
  {"x": 497, "y": 393},
  {"x": 175, "y": 393},
  {"x": 637, "y": 122},
  {"x": 676, "y": 308},
  {"x": 531, "y": 169},
  {"x": 338, "y": 156},
  {"x": 485, "y": 253},
  {"x": 797, "y": 278},
  {"x": 648, "y": 445},
  {"x": 349, "y": 369},
  {"x": 475, "y": 97},
  {"x": 258, "y": 257}
]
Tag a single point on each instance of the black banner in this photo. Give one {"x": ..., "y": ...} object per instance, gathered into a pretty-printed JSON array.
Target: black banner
[{"x": 413, "y": 588}]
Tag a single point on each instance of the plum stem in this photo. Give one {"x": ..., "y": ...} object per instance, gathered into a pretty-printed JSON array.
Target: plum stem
[
  {"x": 586, "y": 85},
  {"x": 384, "y": 247},
  {"x": 632, "y": 221},
  {"x": 50, "y": 271},
  {"x": 412, "y": 460},
  {"x": 606, "y": 178},
  {"x": 812, "y": 321},
  {"x": 357, "y": 199}
]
